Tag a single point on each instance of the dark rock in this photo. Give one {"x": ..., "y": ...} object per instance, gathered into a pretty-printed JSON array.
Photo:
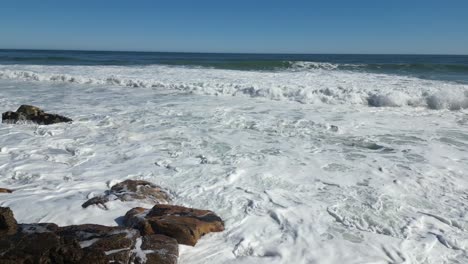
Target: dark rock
[
  {"x": 8, "y": 224},
  {"x": 130, "y": 190},
  {"x": 46, "y": 243},
  {"x": 32, "y": 114},
  {"x": 44, "y": 247},
  {"x": 116, "y": 242},
  {"x": 184, "y": 224},
  {"x": 157, "y": 249},
  {"x": 5, "y": 190},
  {"x": 135, "y": 218},
  {"x": 99, "y": 201}
]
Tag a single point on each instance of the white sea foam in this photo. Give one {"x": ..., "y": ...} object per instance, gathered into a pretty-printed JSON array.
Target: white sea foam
[
  {"x": 331, "y": 180},
  {"x": 316, "y": 86}
]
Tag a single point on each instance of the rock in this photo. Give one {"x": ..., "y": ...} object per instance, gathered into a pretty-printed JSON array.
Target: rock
[
  {"x": 8, "y": 224},
  {"x": 5, "y": 190},
  {"x": 47, "y": 243},
  {"x": 184, "y": 224},
  {"x": 130, "y": 190},
  {"x": 117, "y": 243},
  {"x": 45, "y": 247},
  {"x": 157, "y": 249},
  {"x": 33, "y": 114}
]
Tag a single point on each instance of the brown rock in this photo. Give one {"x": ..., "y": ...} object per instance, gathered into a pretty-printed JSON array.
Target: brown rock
[
  {"x": 8, "y": 224},
  {"x": 33, "y": 114},
  {"x": 184, "y": 224},
  {"x": 5, "y": 190},
  {"x": 130, "y": 190}
]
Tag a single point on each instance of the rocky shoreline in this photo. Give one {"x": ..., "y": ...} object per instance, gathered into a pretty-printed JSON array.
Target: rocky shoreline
[{"x": 148, "y": 235}]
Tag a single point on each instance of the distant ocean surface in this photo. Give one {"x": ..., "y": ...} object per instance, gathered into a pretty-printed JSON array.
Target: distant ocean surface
[{"x": 438, "y": 67}]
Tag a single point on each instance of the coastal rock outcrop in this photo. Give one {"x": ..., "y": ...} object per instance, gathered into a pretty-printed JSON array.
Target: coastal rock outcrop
[
  {"x": 49, "y": 243},
  {"x": 32, "y": 114},
  {"x": 184, "y": 224},
  {"x": 130, "y": 190}
]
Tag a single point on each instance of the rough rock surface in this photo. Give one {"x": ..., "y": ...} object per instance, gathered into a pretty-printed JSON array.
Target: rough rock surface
[
  {"x": 184, "y": 224},
  {"x": 5, "y": 190},
  {"x": 48, "y": 243},
  {"x": 130, "y": 190},
  {"x": 158, "y": 249},
  {"x": 32, "y": 114},
  {"x": 8, "y": 224}
]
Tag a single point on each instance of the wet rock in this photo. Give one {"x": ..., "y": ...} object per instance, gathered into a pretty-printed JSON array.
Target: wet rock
[
  {"x": 157, "y": 249},
  {"x": 130, "y": 190},
  {"x": 47, "y": 243},
  {"x": 8, "y": 224},
  {"x": 45, "y": 247},
  {"x": 32, "y": 114},
  {"x": 117, "y": 243},
  {"x": 186, "y": 225},
  {"x": 5, "y": 190}
]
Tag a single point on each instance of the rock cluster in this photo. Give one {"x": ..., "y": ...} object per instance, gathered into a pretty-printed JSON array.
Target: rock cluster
[
  {"x": 49, "y": 243},
  {"x": 148, "y": 236},
  {"x": 32, "y": 114}
]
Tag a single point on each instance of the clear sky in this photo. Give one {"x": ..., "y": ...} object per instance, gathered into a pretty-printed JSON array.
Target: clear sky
[{"x": 288, "y": 26}]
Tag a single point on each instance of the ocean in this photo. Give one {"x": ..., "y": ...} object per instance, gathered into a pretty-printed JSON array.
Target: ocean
[{"x": 307, "y": 158}]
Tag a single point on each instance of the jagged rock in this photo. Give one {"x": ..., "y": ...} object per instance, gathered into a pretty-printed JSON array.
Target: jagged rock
[
  {"x": 8, "y": 224},
  {"x": 33, "y": 114},
  {"x": 5, "y": 190},
  {"x": 47, "y": 243},
  {"x": 184, "y": 224},
  {"x": 130, "y": 190}
]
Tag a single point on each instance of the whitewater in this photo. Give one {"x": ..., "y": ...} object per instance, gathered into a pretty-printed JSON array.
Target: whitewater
[{"x": 312, "y": 164}]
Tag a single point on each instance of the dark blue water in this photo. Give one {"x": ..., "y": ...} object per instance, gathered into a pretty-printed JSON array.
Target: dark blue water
[{"x": 439, "y": 67}]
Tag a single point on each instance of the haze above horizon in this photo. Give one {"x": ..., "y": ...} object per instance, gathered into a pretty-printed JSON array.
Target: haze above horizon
[{"x": 207, "y": 26}]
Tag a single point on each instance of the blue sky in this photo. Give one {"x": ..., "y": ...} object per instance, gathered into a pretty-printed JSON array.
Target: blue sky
[{"x": 332, "y": 26}]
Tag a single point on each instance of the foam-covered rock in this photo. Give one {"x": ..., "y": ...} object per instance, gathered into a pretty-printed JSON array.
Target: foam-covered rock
[
  {"x": 130, "y": 190},
  {"x": 29, "y": 113}
]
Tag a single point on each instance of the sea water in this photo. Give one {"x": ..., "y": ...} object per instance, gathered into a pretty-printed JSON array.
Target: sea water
[{"x": 307, "y": 158}]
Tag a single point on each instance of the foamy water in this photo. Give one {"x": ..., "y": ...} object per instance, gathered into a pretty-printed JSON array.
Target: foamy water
[{"x": 305, "y": 166}]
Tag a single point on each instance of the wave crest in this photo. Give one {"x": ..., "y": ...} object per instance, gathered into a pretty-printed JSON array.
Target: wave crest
[{"x": 376, "y": 90}]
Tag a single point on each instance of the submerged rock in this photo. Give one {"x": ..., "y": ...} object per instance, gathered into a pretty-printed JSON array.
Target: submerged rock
[
  {"x": 130, "y": 190},
  {"x": 5, "y": 190},
  {"x": 32, "y": 114},
  {"x": 186, "y": 225},
  {"x": 48, "y": 243}
]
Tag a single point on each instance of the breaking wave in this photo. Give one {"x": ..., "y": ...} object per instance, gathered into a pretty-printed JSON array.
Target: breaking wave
[{"x": 310, "y": 87}]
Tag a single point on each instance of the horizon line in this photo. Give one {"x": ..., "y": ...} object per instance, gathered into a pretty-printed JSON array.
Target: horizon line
[{"x": 234, "y": 53}]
